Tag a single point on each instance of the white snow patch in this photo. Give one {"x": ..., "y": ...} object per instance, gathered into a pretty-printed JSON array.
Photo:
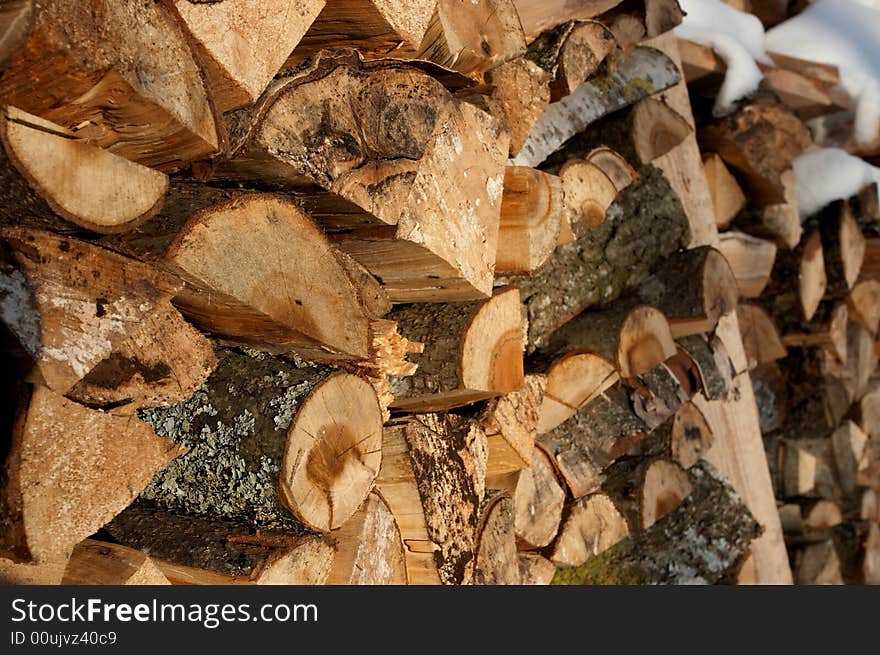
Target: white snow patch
[
  {"x": 829, "y": 174},
  {"x": 845, "y": 33},
  {"x": 737, "y": 37}
]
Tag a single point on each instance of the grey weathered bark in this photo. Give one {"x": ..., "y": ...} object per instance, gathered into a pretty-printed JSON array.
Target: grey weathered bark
[{"x": 713, "y": 362}]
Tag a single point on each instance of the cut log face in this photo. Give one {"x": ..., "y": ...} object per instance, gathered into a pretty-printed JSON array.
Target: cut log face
[
  {"x": 572, "y": 381},
  {"x": 761, "y": 340},
  {"x": 614, "y": 166},
  {"x": 656, "y": 129},
  {"x": 472, "y": 351},
  {"x": 369, "y": 549},
  {"x": 585, "y": 47},
  {"x": 864, "y": 304},
  {"x": 496, "y": 560},
  {"x": 751, "y": 260},
  {"x": 510, "y": 423},
  {"x": 588, "y": 193},
  {"x": 665, "y": 485},
  {"x": 693, "y": 289},
  {"x": 807, "y": 469},
  {"x": 537, "y": 16},
  {"x": 727, "y": 196},
  {"x": 243, "y": 46},
  {"x": 593, "y": 525},
  {"x": 538, "y": 502},
  {"x": 472, "y": 37},
  {"x": 98, "y": 563},
  {"x": 532, "y": 210},
  {"x": 262, "y": 299},
  {"x": 47, "y": 171},
  {"x": 63, "y": 478},
  {"x": 822, "y": 515},
  {"x": 535, "y": 569},
  {"x": 691, "y": 436},
  {"x": 142, "y": 97}
]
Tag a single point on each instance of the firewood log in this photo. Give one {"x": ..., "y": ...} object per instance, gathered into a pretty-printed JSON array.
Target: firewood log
[
  {"x": 48, "y": 173},
  {"x": 572, "y": 380},
  {"x": 511, "y": 426},
  {"x": 727, "y": 196},
  {"x": 656, "y": 395},
  {"x": 808, "y": 469},
  {"x": 472, "y": 351},
  {"x": 628, "y": 30},
  {"x": 412, "y": 176},
  {"x": 827, "y": 329},
  {"x": 641, "y": 228},
  {"x": 771, "y": 396},
  {"x": 685, "y": 437},
  {"x": 123, "y": 75},
  {"x": 864, "y": 304},
  {"x": 68, "y": 471},
  {"x": 760, "y": 140},
  {"x": 645, "y": 490},
  {"x": 761, "y": 339},
  {"x": 571, "y": 53},
  {"x": 236, "y": 288},
  {"x": 496, "y": 561},
  {"x": 587, "y": 443},
  {"x": 593, "y": 525},
  {"x": 751, "y": 260},
  {"x": 869, "y": 506},
  {"x": 798, "y": 280},
  {"x": 713, "y": 363},
  {"x": 614, "y": 166},
  {"x": 694, "y": 288},
  {"x": 669, "y": 552},
  {"x": 243, "y": 46},
  {"x": 537, "y": 16},
  {"x": 532, "y": 212},
  {"x": 843, "y": 246},
  {"x": 83, "y": 314},
  {"x": 269, "y": 441},
  {"x": 644, "y": 72},
  {"x": 433, "y": 479},
  {"x": 198, "y": 550},
  {"x": 780, "y": 222},
  {"x": 848, "y": 444},
  {"x": 818, "y": 564},
  {"x": 634, "y": 337},
  {"x": 588, "y": 193},
  {"x": 369, "y": 549},
  {"x": 535, "y": 569},
  {"x": 538, "y": 501},
  {"x": 860, "y": 364},
  {"x": 865, "y": 412},
  {"x": 100, "y": 563}
]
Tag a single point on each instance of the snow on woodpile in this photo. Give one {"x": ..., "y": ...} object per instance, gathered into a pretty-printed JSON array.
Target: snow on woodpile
[
  {"x": 829, "y": 174},
  {"x": 845, "y": 33},
  {"x": 737, "y": 37}
]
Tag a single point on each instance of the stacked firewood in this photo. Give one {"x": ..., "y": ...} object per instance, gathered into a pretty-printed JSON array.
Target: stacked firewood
[
  {"x": 809, "y": 313},
  {"x": 352, "y": 292}
]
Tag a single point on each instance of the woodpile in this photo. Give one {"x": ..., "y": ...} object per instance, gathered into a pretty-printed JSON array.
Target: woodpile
[{"x": 325, "y": 292}]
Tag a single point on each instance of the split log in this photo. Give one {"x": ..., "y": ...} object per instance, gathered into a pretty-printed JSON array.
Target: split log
[
  {"x": 572, "y": 381},
  {"x": 472, "y": 37},
  {"x": 761, "y": 141},
  {"x": 848, "y": 443},
  {"x": 496, "y": 561},
  {"x": 537, "y": 16},
  {"x": 242, "y": 46},
  {"x": 641, "y": 228},
  {"x": 68, "y": 471},
  {"x": 432, "y": 477},
  {"x": 587, "y": 443},
  {"x": 843, "y": 246},
  {"x": 713, "y": 363},
  {"x": 123, "y": 76},
  {"x": 645, "y": 72},
  {"x": 538, "y": 501},
  {"x": 634, "y": 337},
  {"x": 694, "y": 288},
  {"x": 472, "y": 351},
  {"x": 532, "y": 211},
  {"x": 48, "y": 173},
  {"x": 751, "y": 260},
  {"x": 76, "y": 304},
  {"x": 799, "y": 280},
  {"x": 270, "y": 441},
  {"x": 535, "y": 569},
  {"x": 592, "y": 526},
  {"x": 412, "y": 176},
  {"x": 771, "y": 396},
  {"x": 511, "y": 426},
  {"x": 808, "y": 469},
  {"x": 864, "y": 304},
  {"x": 866, "y": 411},
  {"x": 614, "y": 166},
  {"x": 99, "y": 563},
  {"x": 869, "y": 506},
  {"x": 685, "y": 437},
  {"x": 656, "y": 395},
  {"x": 818, "y": 564},
  {"x": 198, "y": 550},
  {"x": 588, "y": 193},
  {"x": 727, "y": 196},
  {"x": 377, "y": 28},
  {"x": 827, "y": 329},
  {"x": 669, "y": 552},
  {"x": 761, "y": 340},
  {"x": 628, "y": 30},
  {"x": 239, "y": 289},
  {"x": 780, "y": 222},
  {"x": 369, "y": 549},
  {"x": 645, "y": 490}
]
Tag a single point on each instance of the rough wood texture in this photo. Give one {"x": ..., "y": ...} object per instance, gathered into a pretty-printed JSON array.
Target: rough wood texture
[
  {"x": 714, "y": 365},
  {"x": 656, "y": 395},
  {"x": 592, "y": 526},
  {"x": 511, "y": 426},
  {"x": 63, "y": 476},
  {"x": 644, "y": 491},
  {"x": 588, "y": 193},
  {"x": 641, "y": 228},
  {"x": 780, "y": 222},
  {"x": 587, "y": 443},
  {"x": 472, "y": 351},
  {"x": 413, "y": 176},
  {"x": 123, "y": 75},
  {"x": 751, "y": 260},
  {"x": 537, "y": 16},
  {"x": 496, "y": 560},
  {"x": 268, "y": 438},
  {"x": 538, "y": 502},
  {"x": 433, "y": 479},
  {"x": 685, "y": 437},
  {"x": 243, "y": 45},
  {"x": 98, "y": 563},
  {"x": 843, "y": 246},
  {"x": 614, "y": 166},
  {"x": 727, "y": 196},
  {"x": 573, "y": 380},
  {"x": 864, "y": 304},
  {"x": 535, "y": 569},
  {"x": 760, "y": 336},
  {"x": 798, "y": 281},
  {"x": 705, "y": 539}
]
